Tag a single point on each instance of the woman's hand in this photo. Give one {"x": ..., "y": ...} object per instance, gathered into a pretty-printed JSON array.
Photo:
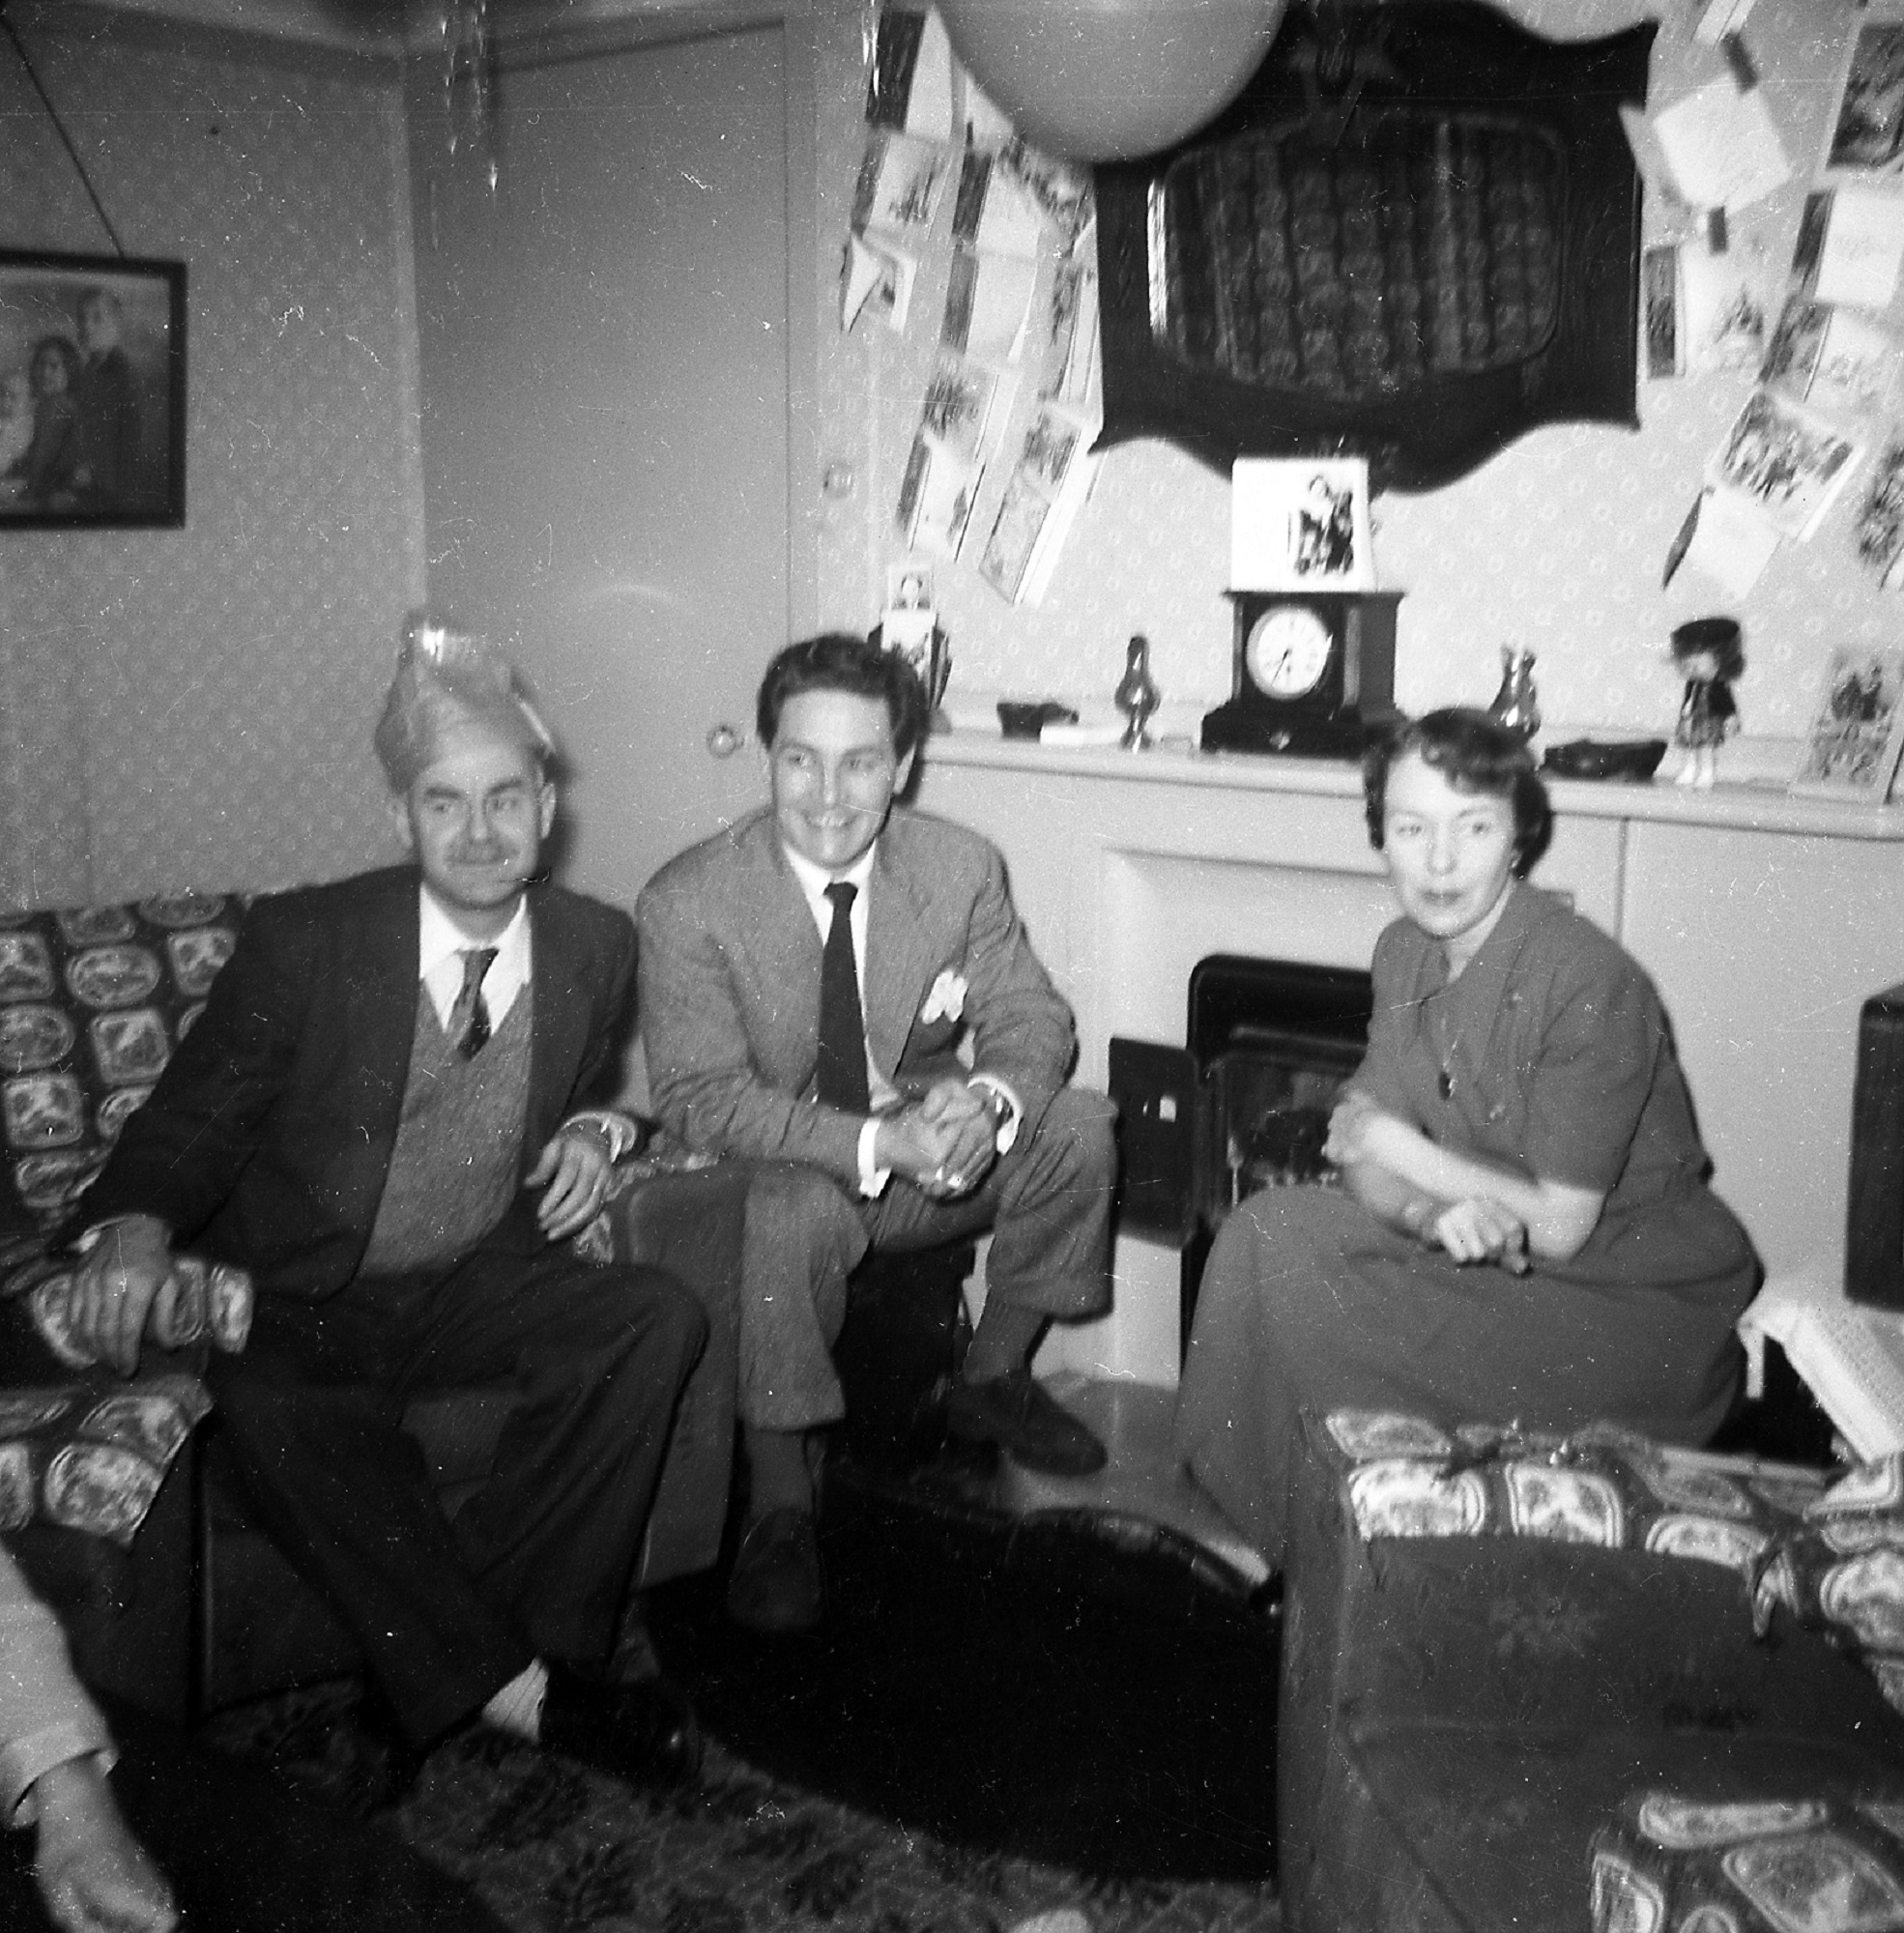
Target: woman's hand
[{"x": 1479, "y": 1231}]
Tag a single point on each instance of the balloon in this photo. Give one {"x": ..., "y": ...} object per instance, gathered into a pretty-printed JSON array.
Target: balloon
[{"x": 1103, "y": 80}]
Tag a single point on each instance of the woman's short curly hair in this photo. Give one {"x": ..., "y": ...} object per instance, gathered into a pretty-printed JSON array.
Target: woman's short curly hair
[{"x": 1474, "y": 753}]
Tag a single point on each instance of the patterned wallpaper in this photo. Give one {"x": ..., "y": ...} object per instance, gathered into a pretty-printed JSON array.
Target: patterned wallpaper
[
  {"x": 1556, "y": 545},
  {"x": 192, "y": 707}
]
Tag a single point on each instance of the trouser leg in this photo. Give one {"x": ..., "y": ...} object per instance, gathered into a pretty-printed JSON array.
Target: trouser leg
[
  {"x": 539, "y": 1561},
  {"x": 598, "y": 1356},
  {"x": 342, "y": 1491},
  {"x": 802, "y": 1239}
]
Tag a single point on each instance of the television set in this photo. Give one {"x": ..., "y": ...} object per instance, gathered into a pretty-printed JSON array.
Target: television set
[{"x": 1874, "y": 1212}]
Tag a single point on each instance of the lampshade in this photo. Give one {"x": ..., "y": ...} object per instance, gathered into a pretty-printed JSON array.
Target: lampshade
[{"x": 1103, "y": 80}]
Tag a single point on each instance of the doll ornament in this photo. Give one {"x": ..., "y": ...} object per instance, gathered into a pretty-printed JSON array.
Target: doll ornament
[{"x": 1708, "y": 655}]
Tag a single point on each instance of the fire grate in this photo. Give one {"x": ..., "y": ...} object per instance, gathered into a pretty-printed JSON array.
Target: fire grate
[{"x": 1244, "y": 1104}]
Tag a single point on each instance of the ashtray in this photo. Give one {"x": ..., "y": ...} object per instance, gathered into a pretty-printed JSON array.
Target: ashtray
[
  {"x": 1017, "y": 720},
  {"x": 1631, "y": 759}
]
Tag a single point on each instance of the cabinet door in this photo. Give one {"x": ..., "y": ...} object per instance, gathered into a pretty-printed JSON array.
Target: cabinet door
[{"x": 605, "y": 351}]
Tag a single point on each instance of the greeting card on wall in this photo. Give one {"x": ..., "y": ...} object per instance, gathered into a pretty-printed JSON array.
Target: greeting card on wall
[
  {"x": 875, "y": 282},
  {"x": 908, "y": 87},
  {"x": 935, "y": 498},
  {"x": 1866, "y": 138},
  {"x": 1786, "y": 462},
  {"x": 1726, "y": 303},
  {"x": 1834, "y": 360},
  {"x": 1300, "y": 524},
  {"x": 1857, "y": 731},
  {"x": 1880, "y": 529},
  {"x": 1047, "y": 486},
  {"x": 901, "y": 180}
]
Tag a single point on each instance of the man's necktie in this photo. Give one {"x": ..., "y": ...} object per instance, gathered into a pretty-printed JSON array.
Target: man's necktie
[
  {"x": 841, "y": 1025},
  {"x": 469, "y": 1018}
]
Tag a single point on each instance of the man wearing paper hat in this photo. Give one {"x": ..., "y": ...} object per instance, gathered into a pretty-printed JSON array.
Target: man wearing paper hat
[{"x": 383, "y": 1115}]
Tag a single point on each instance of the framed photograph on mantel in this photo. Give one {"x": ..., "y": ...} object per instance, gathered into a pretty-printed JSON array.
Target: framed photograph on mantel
[
  {"x": 1857, "y": 733},
  {"x": 1300, "y": 524},
  {"x": 92, "y": 391}
]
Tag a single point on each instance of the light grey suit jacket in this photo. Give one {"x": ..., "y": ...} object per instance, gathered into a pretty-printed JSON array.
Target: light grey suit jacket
[{"x": 729, "y": 997}]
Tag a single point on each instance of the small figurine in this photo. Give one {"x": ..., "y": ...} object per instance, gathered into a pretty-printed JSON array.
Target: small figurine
[
  {"x": 1516, "y": 706},
  {"x": 1136, "y": 695},
  {"x": 1708, "y": 654}
]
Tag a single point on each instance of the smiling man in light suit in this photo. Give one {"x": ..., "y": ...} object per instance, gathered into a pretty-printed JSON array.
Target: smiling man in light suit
[{"x": 840, "y": 989}]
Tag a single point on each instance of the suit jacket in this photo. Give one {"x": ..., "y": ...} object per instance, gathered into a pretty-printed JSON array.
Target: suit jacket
[
  {"x": 268, "y": 1139},
  {"x": 730, "y": 988}
]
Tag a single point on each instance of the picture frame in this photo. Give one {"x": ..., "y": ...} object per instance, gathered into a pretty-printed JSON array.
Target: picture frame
[
  {"x": 92, "y": 391},
  {"x": 1300, "y": 524},
  {"x": 1857, "y": 733}
]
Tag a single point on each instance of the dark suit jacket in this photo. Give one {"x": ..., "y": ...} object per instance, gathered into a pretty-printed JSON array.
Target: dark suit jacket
[
  {"x": 730, "y": 987},
  {"x": 268, "y": 1139}
]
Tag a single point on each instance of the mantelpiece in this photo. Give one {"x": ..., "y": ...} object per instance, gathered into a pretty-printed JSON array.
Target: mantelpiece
[{"x": 1766, "y": 921}]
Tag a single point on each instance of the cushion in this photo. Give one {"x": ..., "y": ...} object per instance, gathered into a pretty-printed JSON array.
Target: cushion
[
  {"x": 1826, "y": 1862},
  {"x": 1603, "y": 1486},
  {"x": 92, "y": 1002},
  {"x": 90, "y": 1455},
  {"x": 1841, "y": 1569}
]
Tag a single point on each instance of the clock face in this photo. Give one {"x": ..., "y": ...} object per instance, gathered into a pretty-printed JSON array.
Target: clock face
[{"x": 1287, "y": 650}]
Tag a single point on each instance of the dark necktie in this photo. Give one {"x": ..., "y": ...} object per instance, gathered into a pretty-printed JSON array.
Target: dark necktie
[
  {"x": 841, "y": 1026},
  {"x": 469, "y": 1018}
]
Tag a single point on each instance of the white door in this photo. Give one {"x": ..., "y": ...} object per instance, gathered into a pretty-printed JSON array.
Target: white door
[{"x": 604, "y": 374}]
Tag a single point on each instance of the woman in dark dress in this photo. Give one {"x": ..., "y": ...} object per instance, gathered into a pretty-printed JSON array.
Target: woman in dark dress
[{"x": 1524, "y": 1231}]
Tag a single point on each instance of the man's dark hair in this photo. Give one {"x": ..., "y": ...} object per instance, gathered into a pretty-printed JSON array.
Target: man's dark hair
[
  {"x": 1474, "y": 753},
  {"x": 841, "y": 661}
]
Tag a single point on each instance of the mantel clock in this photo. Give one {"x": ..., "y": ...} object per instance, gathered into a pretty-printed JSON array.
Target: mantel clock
[{"x": 1314, "y": 673}]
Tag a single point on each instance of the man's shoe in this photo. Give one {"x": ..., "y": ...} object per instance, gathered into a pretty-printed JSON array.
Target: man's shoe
[
  {"x": 774, "y": 1585},
  {"x": 1013, "y": 1412},
  {"x": 644, "y": 1733}
]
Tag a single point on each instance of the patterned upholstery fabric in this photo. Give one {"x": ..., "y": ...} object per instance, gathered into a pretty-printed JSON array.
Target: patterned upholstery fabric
[
  {"x": 92, "y": 1001},
  {"x": 1602, "y": 1486},
  {"x": 1841, "y": 1569},
  {"x": 1775, "y": 1825},
  {"x": 91, "y": 1455},
  {"x": 1792, "y": 1866}
]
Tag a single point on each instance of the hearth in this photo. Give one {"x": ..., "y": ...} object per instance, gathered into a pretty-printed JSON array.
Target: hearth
[{"x": 1243, "y": 1105}]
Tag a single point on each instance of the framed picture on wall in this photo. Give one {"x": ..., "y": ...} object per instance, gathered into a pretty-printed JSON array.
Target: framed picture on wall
[
  {"x": 1857, "y": 732},
  {"x": 92, "y": 391}
]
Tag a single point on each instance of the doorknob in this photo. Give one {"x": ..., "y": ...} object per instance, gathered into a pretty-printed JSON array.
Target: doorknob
[{"x": 723, "y": 739}]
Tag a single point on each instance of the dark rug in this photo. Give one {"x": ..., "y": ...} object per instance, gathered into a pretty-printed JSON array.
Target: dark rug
[
  {"x": 1000, "y": 1718},
  {"x": 554, "y": 1847},
  {"x": 1066, "y": 1687}
]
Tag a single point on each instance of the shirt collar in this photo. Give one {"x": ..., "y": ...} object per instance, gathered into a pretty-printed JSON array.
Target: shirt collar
[
  {"x": 815, "y": 880},
  {"x": 439, "y": 939}
]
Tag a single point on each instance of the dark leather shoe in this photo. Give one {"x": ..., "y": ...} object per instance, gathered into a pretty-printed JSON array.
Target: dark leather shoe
[
  {"x": 774, "y": 1585},
  {"x": 644, "y": 1733},
  {"x": 1013, "y": 1412}
]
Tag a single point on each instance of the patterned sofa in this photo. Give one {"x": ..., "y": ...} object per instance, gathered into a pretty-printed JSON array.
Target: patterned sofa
[
  {"x": 171, "y": 1598},
  {"x": 1526, "y": 1679}
]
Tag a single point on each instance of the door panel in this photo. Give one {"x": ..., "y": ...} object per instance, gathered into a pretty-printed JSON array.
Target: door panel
[{"x": 604, "y": 376}]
